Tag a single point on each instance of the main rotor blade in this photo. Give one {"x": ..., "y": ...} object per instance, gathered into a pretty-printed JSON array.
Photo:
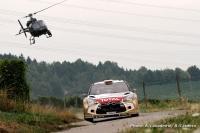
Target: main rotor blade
[
  {"x": 49, "y": 7},
  {"x": 25, "y": 17},
  {"x": 29, "y": 15},
  {"x": 22, "y": 28}
]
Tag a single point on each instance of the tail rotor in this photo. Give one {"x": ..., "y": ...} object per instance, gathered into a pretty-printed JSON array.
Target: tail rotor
[{"x": 22, "y": 30}]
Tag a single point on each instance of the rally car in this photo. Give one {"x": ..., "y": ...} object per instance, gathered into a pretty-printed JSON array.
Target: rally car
[{"x": 110, "y": 98}]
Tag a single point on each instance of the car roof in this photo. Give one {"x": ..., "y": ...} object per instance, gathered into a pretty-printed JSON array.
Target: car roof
[{"x": 110, "y": 80}]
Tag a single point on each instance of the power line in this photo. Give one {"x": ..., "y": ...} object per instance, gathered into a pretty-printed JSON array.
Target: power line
[
  {"x": 124, "y": 13},
  {"x": 6, "y": 21},
  {"x": 97, "y": 55},
  {"x": 120, "y": 27},
  {"x": 95, "y": 48},
  {"x": 14, "y": 13},
  {"x": 93, "y": 33},
  {"x": 9, "y": 44},
  {"x": 112, "y": 26},
  {"x": 114, "y": 51},
  {"x": 150, "y": 5}
]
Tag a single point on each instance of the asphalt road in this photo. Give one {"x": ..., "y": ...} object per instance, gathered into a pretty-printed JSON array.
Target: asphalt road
[{"x": 113, "y": 125}]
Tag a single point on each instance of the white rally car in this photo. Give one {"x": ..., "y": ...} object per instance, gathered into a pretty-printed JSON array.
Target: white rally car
[{"x": 110, "y": 98}]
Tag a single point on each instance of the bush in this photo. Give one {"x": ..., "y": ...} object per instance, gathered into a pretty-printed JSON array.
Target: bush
[
  {"x": 151, "y": 101},
  {"x": 51, "y": 101}
]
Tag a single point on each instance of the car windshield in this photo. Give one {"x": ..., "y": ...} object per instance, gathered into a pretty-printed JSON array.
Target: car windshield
[{"x": 111, "y": 88}]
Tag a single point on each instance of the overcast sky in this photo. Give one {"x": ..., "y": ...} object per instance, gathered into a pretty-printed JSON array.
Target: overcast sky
[{"x": 157, "y": 34}]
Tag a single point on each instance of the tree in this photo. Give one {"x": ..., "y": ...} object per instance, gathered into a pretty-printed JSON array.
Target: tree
[
  {"x": 142, "y": 70},
  {"x": 28, "y": 60},
  {"x": 13, "y": 74},
  {"x": 194, "y": 73}
]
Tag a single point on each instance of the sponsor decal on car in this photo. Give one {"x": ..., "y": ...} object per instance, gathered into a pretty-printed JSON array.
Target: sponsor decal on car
[{"x": 109, "y": 99}]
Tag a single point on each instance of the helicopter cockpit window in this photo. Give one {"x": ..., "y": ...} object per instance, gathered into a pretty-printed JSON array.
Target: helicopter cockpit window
[
  {"x": 42, "y": 23},
  {"x": 35, "y": 26}
]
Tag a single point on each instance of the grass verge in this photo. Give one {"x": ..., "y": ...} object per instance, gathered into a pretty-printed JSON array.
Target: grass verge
[
  {"x": 36, "y": 122},
  {"x": 184, "y": 123},
  {"x": 18, "y": 117},
  {"x": 163, "y": 106}
]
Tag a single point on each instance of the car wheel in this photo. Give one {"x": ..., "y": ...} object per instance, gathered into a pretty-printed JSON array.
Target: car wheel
[{"x": 89, "y": 119}]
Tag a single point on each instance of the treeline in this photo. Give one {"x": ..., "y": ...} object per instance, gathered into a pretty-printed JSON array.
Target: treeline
[{"x": 73, "y": 78}]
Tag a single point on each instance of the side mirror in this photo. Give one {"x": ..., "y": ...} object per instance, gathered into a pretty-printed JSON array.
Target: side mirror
[
  {"x": 134, "y": 90},
  {"x": 85, "y": 95}
]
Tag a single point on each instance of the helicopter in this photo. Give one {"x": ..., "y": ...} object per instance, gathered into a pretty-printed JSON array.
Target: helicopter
[{"x": 35, "y": 27}]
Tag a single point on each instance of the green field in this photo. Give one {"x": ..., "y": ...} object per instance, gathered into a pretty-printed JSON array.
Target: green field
[{"x": 189, "y": 90}]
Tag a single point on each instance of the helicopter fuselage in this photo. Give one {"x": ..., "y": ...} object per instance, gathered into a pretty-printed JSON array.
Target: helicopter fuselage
[{"x": 38, "y": 28}]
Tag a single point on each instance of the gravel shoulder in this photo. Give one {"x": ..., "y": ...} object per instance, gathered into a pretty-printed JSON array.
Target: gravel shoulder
[{"x": 115, "y": 124}]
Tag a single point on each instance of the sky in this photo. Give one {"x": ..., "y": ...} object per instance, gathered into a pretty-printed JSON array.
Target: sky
[{"x": 157, "y": 34}]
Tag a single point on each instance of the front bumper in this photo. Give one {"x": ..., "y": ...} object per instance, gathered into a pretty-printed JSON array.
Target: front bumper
[{"x": 116, "y": 109}]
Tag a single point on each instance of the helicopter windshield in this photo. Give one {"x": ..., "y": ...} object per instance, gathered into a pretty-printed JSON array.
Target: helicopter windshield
[
  {"x": 38, "y": 25},
  {"x": 42, "y": 23}
]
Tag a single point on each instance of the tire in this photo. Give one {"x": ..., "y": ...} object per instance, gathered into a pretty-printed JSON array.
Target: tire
[
  {"x": 89, "y": 119},
  {"x": 134, "y": 115}
]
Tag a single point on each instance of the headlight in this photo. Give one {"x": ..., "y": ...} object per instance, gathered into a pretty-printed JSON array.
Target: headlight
[
  {"x": 91, "y": 101},
  {"x": 128, "y": 98}
]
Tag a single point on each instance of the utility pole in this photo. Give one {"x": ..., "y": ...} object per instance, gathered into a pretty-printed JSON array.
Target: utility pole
[
  {"x": 76, "y": 101},
  {"x": 179, "y": 90},
  {"x": 145, "y": 100},
  {"x": 64, "y": 102}
]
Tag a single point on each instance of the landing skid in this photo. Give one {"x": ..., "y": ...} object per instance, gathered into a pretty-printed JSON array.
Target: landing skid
[
  {"x": 32, "y": 38},
  {"x": 48, "y": 34}
]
